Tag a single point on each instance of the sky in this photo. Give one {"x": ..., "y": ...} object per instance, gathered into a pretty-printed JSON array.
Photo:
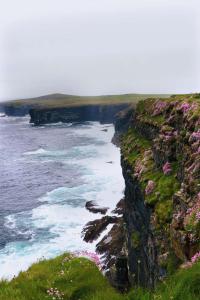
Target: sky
[{"x": 95, "y": 47}]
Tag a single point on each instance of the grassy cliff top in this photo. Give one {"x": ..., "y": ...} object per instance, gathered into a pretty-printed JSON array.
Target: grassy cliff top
[
  {"x": 70, "y": 278},
  {"x": 153, "y": 110},
  {"x": 62, "y": 100}
]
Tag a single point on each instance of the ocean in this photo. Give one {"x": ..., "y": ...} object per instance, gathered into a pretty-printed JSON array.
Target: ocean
[{"x": 47, "y": 174}]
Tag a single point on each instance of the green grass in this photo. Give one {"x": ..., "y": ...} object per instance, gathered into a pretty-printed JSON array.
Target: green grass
[
  {"x": 165, "y": 185},
  {"x": 133, "y": 146},
  {"x": 81, "y": 280}
]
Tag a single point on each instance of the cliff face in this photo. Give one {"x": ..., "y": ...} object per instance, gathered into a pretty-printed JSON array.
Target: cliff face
[
  {"x": 14, "y": 110},
  {"x": 161, "y": 167},
  {"x": 140, "y": 245},
  {"x": 101, "y": 113}
]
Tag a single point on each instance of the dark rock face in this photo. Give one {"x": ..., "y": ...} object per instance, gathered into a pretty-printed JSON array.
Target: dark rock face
[
  {"x": 149, "y": 131},
  {"x": 12, "y": 110},
  {"x": 102, "y": 113},
  {"x": 142, "y": 264},
  {"x": 121, "y": 277},
  {"x": 122, "y": 122}
]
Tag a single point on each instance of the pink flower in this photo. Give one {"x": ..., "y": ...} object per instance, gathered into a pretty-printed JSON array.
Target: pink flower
[
  {"x": 198, "y": 216},
  {"x": 185, "y": 107},
  {"x": 138, "y": 169},
  {"x": 150, "y": 187},
  {"x": 196, "y": 257},
  {"x": 196, "y": 135},
  {"x": 167, "y": 168},
  {"x": 90, "y": 255},
  {"x": 189, "y": 210},
  {"x": 159, "y": 107}
]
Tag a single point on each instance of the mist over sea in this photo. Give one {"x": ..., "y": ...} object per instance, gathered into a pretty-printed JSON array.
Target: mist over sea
[{"x": 47, "y": 174}]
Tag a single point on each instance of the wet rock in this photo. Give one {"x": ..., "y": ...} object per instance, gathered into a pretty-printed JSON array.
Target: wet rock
[{"x": 95, "y": 208}]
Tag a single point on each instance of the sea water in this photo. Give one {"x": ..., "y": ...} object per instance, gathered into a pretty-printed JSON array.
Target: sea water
[{"x": 47, "y": 174}]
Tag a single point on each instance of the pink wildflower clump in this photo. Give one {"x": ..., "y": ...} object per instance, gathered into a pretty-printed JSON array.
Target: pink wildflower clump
[
  {"x": 138, "y": 169},
  {"x": 150, "y": 187},
  {"x": 198, "y": 216},
  {"x": 167, "y": 168},
  {"x": 90, "y": 255},
  {"x": 185, "y": 107},
  {"x": 196, "y": 257},
  {"x": 159, "y": 107},
  {"x": 196, "y": 135}
]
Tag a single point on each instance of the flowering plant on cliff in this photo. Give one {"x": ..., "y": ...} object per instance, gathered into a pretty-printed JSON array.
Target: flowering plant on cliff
[
  {"x": 167, "y": 168},
  {"x": 90, "y": 255},
  {"x": 196, "y": 257},
  {"x": 185, "y": 107},
  {"x": 192, "y": 219},
  {"x": 196, "y": 135},
  {"x": 138, "y": 168},
  {"x": 150, "y": 187},
  {"x": 159, "y": 107}
]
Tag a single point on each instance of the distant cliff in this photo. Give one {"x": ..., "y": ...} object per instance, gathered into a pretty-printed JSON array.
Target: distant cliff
[{"x": 101, "y": 113}]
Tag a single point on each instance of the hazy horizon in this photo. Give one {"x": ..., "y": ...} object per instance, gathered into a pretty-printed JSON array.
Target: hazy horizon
[{"x": 94, "y": 47}]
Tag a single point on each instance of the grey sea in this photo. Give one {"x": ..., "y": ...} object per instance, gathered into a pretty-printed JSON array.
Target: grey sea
[{"x": 47, "y": 174}]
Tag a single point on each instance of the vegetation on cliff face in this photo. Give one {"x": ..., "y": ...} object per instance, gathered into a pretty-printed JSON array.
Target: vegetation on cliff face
[
  {"x": 71, "y": 278},
  {"x": 158, "y": 188},
  {"x": 162, "y": 148}
]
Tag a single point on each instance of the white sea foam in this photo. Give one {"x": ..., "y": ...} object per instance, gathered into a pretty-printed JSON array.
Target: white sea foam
[
  {"x": 10, "y": 222},
  {"x": 62, "y": 215},
  {"x": 38, "y": 151}
]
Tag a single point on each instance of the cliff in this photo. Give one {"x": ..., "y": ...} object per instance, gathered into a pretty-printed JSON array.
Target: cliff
[
  {"x": 101, "y": 113},
  {"x": 157, "y": 225},
  {"x": 160, "y": 156}
]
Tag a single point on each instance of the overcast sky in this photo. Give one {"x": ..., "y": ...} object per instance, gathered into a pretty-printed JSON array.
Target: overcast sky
[{"x": 92, "y": 47}]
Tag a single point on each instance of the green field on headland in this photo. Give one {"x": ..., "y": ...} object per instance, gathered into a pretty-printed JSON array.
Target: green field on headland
[{"x": 62, "y": 100}]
